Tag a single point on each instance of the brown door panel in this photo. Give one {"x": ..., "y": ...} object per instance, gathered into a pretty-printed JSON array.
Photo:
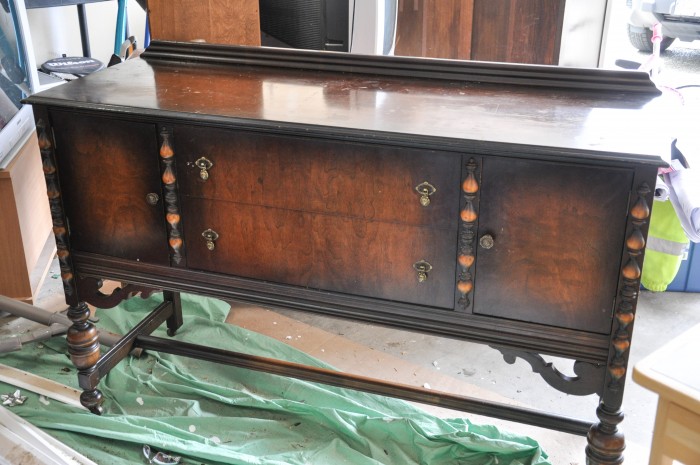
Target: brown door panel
[
  {"x": 558, "y": 231},
  {"x": 107, "y": 168},
  {"x": 361, "y": 181},
  {"x": 328, "y": 252}
]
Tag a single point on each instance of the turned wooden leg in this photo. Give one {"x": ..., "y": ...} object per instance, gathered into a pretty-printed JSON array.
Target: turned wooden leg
[
  {"x": 84, "y": 350},
  {"x": 605, "y": 442},
  {"x": 175, "y": 320}
]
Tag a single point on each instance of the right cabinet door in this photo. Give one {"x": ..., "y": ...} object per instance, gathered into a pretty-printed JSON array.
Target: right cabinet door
[{"x": 558, "y": 231}]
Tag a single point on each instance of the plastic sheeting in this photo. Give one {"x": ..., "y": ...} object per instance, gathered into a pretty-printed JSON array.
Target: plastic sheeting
[{"x": 215, "y": 414}]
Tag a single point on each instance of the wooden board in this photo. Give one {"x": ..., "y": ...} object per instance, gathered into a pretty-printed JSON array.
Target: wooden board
[
  {"x": 438, "y": 29},
  {"x": 26, "y": 248},
  {"x": 233, "y": 22},
  {"x": 521, "y": 31}
]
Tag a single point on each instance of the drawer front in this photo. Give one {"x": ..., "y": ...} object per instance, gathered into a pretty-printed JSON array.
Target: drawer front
[
  {"x": 557, "y": 235},
  {"x": 107, "y": 167},
  {"x": 328, "y": 252},
  {"x": 356, "y": 180}
]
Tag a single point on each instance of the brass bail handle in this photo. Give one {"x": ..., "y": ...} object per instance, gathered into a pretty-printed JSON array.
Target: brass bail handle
[
  {"x": 204, "y": 165},
  {"x": 422, "y": 267},
  {"x": 425, "y": 190},
  {"x": 210, "y": 236}
]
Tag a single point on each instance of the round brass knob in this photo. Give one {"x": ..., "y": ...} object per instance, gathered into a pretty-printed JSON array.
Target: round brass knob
[
  {"x": 486, "y": 241},
  {"x": 152, "y": 198}
]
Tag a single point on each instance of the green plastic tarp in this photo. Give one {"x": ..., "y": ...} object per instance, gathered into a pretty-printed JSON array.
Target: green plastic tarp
[{"x": 216, "y": 414}]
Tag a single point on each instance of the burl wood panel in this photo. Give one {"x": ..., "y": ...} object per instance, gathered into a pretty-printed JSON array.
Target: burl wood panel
[
  {"x": 558, "y": 231},
  {"x": 361, "y": 181},
  {"x": 107, "y": 167},
  {"x": 328, "y": 252},
  {"x": 434, "y": 28},
  {"x": 517, "y": 31},
  {"x": 234, "y": 22}
]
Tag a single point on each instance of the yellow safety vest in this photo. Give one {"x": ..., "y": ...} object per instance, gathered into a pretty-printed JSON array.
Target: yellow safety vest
[{"x": 666, "y": 245}]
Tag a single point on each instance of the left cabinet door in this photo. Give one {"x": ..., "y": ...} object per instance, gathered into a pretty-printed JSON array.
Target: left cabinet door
[{"x": 107, "y": 170}]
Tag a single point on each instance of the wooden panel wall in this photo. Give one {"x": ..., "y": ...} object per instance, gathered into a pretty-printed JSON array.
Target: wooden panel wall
[
  {"x": 515, "y": 31},
  {"x": 434, "y": 28},
  {"x": 234, "y": 22},
  {"x": 519, "y": 31}
]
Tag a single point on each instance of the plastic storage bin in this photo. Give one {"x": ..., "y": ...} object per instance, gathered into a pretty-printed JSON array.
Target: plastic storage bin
[{"x": 688, "y": 277}]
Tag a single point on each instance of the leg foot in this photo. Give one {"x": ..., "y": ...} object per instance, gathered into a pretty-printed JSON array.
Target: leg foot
[
  {"x": 605, "y": 442},
  {"x": 92, "y": 400}
]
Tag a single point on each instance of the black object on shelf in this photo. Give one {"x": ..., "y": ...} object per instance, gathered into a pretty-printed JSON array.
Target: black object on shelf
[{"x": 77, "y": 66}]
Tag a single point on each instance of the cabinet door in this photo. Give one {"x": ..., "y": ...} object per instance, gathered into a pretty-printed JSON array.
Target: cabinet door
[
  {"x": 107, "y": 167},
  {"x": 558, "y": 232}
]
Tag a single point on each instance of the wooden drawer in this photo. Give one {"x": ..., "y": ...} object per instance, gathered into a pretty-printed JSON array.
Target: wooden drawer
[
  {"x": 315, "y": 175},
  {"x": 107, "y": 169},
  {"x": 322, "y": 251}
]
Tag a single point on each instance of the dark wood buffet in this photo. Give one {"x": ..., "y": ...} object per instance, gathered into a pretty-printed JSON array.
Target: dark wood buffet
[{"x": 502, "y": 204}]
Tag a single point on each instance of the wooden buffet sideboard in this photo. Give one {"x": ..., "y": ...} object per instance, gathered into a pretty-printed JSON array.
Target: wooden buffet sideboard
[{"x": 503, "y": 204}]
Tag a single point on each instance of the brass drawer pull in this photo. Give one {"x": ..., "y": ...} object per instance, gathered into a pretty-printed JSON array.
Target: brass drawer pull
[
  {"x": 425, "y": 189},
  {"x": 204, "y": 164},
  {"x": 422, "y": 267},
  {"x": 486, "y": 241},
  {"x": 210, "y": 236}
]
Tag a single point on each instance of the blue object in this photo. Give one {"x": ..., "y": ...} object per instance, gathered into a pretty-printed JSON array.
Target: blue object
[
  {"x": 147, "y": 33},
  {"x": 688, "y": 277},
  {"x": 120, "y": 33}
]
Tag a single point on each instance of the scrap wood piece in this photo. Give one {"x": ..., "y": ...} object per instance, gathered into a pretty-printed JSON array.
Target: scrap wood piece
[{"x": 43, "y": 386}]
